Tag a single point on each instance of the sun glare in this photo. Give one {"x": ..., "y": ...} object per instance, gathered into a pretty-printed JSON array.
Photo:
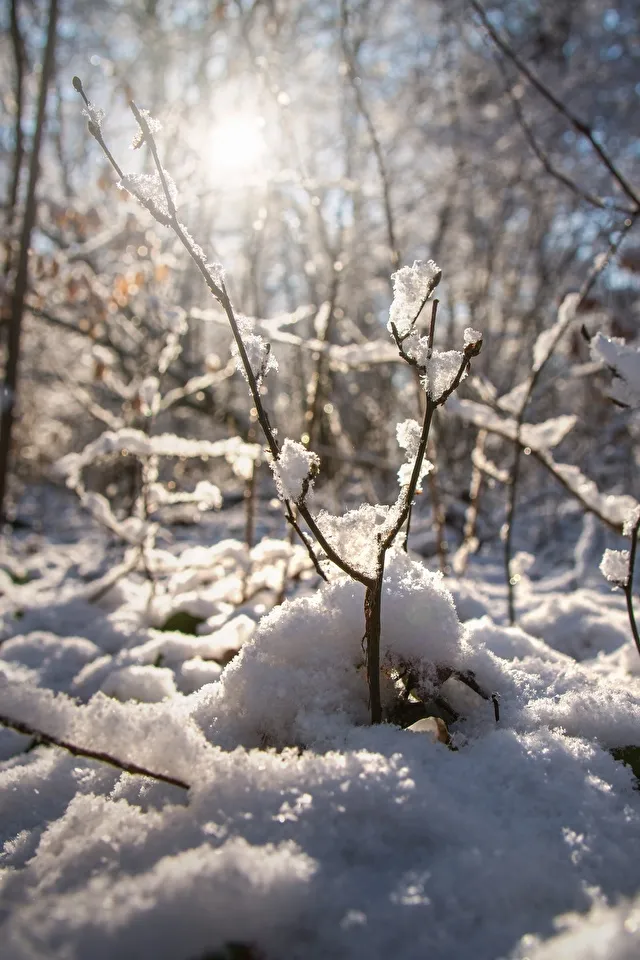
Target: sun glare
[{"x": 237, "y": 148}]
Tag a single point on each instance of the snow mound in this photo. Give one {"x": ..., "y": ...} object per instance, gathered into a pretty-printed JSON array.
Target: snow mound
[{"x": 301, "y": 679}]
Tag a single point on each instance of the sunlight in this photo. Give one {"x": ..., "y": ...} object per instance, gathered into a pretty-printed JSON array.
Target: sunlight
[{"x": 237, "y": 150}]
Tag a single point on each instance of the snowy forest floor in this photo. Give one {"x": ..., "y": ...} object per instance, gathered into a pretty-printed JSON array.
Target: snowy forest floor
[{"x": 305, "y": 832}]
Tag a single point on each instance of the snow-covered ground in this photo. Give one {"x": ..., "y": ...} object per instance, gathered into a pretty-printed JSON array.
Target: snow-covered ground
[{"x": 300, "y": 831}]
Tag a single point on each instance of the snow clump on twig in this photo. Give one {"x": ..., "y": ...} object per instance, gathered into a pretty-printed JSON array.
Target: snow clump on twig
[
  {"x": 408, "y": 435},
  {"x": 294, "y": 470},
  {"x": 615, "y": 566},
  {"x": 412, "y": 287}
]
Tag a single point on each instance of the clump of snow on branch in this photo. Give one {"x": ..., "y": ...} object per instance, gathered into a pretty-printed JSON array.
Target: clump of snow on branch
[
  {"x": 412, "y": 286},
  {"x": 471, "y": 337},
  {"x": 294, "y": 470},
  {"x": 257, "y": 349},
  {"x": 615, "y": 566},
  {"x": 408, "y": 435},
  {"x": 624, "y": 361},
  {"x": 355, "y": 534},
  {"x": 441, "y": 370}
]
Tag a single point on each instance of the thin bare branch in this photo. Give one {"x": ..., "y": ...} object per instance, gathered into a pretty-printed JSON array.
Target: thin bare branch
[
  {"x": 133, "y": 768},
  {"x": 576, "y": 122}
]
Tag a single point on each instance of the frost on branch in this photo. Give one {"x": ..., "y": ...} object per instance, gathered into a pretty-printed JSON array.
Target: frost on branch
[
  {"x": 412, "y": 286},
  {"x": 624, "y": 361},
  {"x": 294, "y": 470},
  {"x": 615, "y": 567},
  {"x": 153, "y": 124},
  {"x": 408, "y": 434},
  {"x": 148, "y": 189},
  {"x": 441, "y": 371},
  {"x": 258, "y": 352},
  {"x": 95, "y": 115}
]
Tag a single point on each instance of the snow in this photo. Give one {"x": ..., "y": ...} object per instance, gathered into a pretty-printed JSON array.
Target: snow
[
  {"x": 304, "y": 831},
  {"x": 441, "y": 370},
  {"x": 605, "y": 933},
  {"x": 257, "y": 350},
  {"x": 408, "y": 434},
  {"x": 549, "y": 339},
  {"x": 411, "y": 288},
  {"x": 615, "y": 566},
  {"x": 137, "y": 443},
  {"x": 471, "y": 336},
  {"x": 294, "y": 469},
  {"x": 146, "y": 684},
  {"x": 300, "y": 678},
  {"x": 356, "y": 534},
  {"x": 94, "y": 114},
  {"x": 624, "y": 361}
]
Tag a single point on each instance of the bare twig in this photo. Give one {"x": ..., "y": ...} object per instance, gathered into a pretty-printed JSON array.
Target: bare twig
[
  {"x": 352, "y": 72},
  {"x": 576, "y": 122},
  {"x": 545, "y": 160},
  {"x": 76, "y": 751}
]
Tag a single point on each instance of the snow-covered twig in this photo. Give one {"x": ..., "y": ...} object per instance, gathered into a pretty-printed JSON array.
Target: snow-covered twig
[{"x": 292, "y": 464}]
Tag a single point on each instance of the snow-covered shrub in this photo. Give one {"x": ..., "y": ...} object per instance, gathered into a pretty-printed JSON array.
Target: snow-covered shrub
[
  {"x": 440, "y": 374},
  {"x": 301, "y": 678}
]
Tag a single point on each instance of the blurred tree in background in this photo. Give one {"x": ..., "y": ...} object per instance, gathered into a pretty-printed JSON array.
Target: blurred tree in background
[{"x": 317, "y": 146}]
